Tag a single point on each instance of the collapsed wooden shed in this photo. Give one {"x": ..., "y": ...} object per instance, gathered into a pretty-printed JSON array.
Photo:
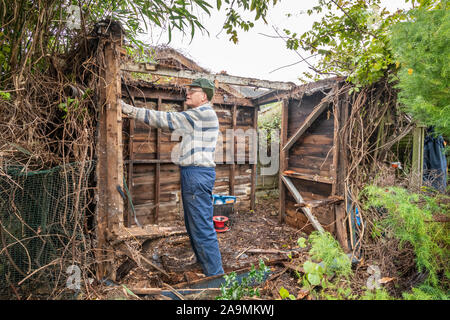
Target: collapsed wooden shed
[
  {"x": 312, "y": 158},
  {"x": 311, "y": 162},
  {"x": 153, "y": 179},
  {"x": 138, "y": 185}
]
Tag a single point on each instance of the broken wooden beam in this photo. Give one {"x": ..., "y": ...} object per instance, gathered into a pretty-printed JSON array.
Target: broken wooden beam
[
  {"x": 290, "y": 186},
  {"x": 309, "y": 177},
  {"x": 158, "y": 291},
  {"x": 137, "y": 257},
  {"x": 222, "y": 78},
  {"x": 320, "y": 203}
]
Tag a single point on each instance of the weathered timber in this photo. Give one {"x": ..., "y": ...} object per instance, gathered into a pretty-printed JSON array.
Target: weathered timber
[
  {"x": 320, "y": 203},
  {"x": 110, "y": 157},
  {"x": 417, "y": 157},
  {"x": 233, "y": 145},
  {"x": 290, "y": 186},
  {"x": 310, "y": 177},
  {"x": 341, "y": 110},
  {"x": 283, "y": 159},
  {"x": 308, "y": 121},
  {"x": 254, "y": 156},
  {"x": 158, "y": 168},
  {"x": 222, "y": 78}
]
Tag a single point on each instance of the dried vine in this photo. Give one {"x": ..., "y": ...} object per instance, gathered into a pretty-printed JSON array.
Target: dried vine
[
  {"x": 47, "y": 120},
  {"x": 373, "y": 127}
]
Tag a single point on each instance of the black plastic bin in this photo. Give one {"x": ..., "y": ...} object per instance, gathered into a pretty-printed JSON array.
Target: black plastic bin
[{"x": 225, "y": 209}]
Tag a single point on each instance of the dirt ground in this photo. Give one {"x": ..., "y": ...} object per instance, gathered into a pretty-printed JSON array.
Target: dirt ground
[{"x": 251, "y": 236}]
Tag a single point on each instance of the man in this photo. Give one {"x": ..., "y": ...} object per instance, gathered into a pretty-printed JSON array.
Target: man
[{"x": 199, "y": 127}]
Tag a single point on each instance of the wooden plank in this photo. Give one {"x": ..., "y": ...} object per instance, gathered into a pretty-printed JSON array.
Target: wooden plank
[
  {"x": 114, "y": 139},
  {"x": 230, "y": 101},
  {"x": 110, "y": 161},
  {"x": 148, "y": 161},
  {"x": 310, "y": 177},
  {"x": 102, "y": 204},
  {"x": 290, "y": 186},
  {"x": 146, "y": 94},
  {"x": 271, "y": 96},
  {"x": 158, "y": 291},
  {"x": 322, "y": 202},
  {"x": 127, "y": 223},
  {"x": 157, "y": 169},
  {"x": 233, "y": 145},
  {"x": 417, "y": 156},
  {"x": 222, "y": 78},
  {"x": 333, "y": 168},
  {"x": 324, "y": 164},
  {"x": 341, "y": 116},
  {"x": 308, "y": 121},
  {"x": 283, "y": 160},
  {"x": 255, "y": 162}
]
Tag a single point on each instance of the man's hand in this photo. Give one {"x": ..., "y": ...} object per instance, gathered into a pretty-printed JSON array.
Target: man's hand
[{"x": 126, "y": 108}]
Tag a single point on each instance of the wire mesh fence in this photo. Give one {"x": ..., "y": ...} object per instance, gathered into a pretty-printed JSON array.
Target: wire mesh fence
[{"x": 43, "y": 224}]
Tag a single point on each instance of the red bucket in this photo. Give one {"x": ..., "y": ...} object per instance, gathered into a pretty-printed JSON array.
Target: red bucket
[{"x": 219, "y": 223}]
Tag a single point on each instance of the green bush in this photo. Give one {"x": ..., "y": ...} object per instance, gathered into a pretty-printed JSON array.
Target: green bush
[
  {"x": 421, "y": 47},
  {"x": 409, "y": 218},
  {"x": 232, "y": 289},
  {"x": 332, "y": 270},
  {"x": 326, "y": 249}
]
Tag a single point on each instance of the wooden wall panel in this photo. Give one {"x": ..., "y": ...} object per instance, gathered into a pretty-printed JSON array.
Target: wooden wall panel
[
  {"x": 311, "y": 154},
  {"x": 144, "y": 147}
]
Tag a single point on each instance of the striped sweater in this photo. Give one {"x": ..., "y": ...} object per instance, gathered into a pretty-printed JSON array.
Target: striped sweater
[{"x": 198, "y": 127}]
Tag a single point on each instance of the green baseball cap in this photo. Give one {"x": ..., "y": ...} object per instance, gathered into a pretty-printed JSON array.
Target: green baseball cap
[{"x": 206, "y": 85}]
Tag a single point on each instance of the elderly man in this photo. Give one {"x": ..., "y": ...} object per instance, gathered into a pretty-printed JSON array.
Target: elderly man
[{"x": 199, "y": 127}]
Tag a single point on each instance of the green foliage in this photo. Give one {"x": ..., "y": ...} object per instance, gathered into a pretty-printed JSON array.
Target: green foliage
[
  {"x": 425, "y": 292},
  {"x": 32, "y": 30},
  {"x": 421, "y": 46},
  {"x": 5, "y": 95},
  {"x": 410, "y": 219},
  {"x": 377, "y": 294},
  {"x": 233, "y": 290},
  {"x": 284, "y": 294},
  {"x": 234, "y": 19},
  {"x": 301, "y": 242},
  {"x": 271, "y": 120},
  {"x": 332, "y": 271},
  {"x": 351, "y": 40},
  {"x": 314, "y": 274},
  {"x": 326, "y": 249}
]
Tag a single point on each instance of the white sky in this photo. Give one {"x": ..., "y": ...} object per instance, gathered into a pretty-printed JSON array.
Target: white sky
[{"x": 255, "y": 55}]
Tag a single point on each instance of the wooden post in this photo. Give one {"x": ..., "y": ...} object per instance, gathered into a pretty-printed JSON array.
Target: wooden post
[
  {"x": 417, "y": 157},
  {"x": 340, "y": 111},
  {"x": 283, "y": 160},
  {"x": 109, "y": 158},
  {"x": 233, "y": 142},
  {"x": 158, "y": 169},
  {"x": 254, "y": 157},
  {"x": 127, "y": 221}
]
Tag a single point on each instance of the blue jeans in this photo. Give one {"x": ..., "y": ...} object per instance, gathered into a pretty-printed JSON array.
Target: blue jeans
[{"x": 197, "y": 184}]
